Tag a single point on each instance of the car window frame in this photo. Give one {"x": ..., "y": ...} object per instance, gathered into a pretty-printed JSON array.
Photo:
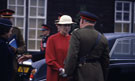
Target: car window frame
[{"x": 116, "y": 42}]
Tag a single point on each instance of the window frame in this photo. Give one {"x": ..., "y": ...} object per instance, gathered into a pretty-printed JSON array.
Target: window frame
[
  {"x": 26, "y": 16},
  {"x": 122, "y": 22}
]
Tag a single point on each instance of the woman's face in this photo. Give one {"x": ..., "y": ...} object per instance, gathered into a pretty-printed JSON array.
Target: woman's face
[
  {"x": 64, "y": 28},
  {"x": 46, "y": 32}
]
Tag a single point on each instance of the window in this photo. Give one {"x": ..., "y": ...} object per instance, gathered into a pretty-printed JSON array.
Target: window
[
  {"x": 134, "y": 18},
  {"x": 35, "y": 16},
  {"x": 19, "y": 17},
  {"x": 123, "y": 16},
  {"x": 123, "y": 48}
]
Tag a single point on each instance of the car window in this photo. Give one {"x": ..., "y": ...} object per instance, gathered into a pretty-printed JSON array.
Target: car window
[{"x": 123, "y": 48}]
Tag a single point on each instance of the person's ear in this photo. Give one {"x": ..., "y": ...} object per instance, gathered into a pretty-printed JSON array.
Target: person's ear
[{"x": 82, "y": 21}]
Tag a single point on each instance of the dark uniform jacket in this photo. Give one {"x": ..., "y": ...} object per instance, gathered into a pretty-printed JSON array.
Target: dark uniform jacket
[
  {"x": 6, "y": 61},
  {"x": 40, "y": 55},
  {"x": 82, "y": 40}
]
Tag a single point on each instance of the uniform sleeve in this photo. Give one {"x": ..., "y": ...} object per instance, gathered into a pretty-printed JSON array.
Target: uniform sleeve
[
  {"x": 105, "y": 55},
  {"x": 71, "y": 60},
  {"x": 50, "y": 55},
  {"x": 105, "y": 59}
]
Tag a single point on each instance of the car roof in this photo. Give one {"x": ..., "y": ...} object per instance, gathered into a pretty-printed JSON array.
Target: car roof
[{"x": 111, "y": 37}]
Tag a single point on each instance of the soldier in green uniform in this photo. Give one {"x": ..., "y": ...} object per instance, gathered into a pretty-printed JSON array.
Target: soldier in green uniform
[
  {"x": 16, "y": 32},
  {"x": 88, "y": 54}
]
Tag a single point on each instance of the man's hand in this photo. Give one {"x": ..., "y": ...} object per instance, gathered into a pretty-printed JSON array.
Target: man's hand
[
  {"x": 62, "y": 72},
  {"x": 24, "y": 58}
]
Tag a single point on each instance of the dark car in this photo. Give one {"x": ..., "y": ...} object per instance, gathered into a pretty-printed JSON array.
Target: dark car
[{"x": 122, "y": 59}]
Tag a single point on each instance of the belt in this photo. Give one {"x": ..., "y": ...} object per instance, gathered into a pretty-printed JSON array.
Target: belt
[
  {"x": 91, "y": 60},
  {"x": 85, "y": 61},
  {"x": 88, "y": 60}
]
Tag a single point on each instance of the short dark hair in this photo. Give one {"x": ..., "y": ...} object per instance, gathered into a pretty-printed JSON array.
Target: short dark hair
[
  {"x": 3, "y": 29},
  {"x": 5, "y": 25}
]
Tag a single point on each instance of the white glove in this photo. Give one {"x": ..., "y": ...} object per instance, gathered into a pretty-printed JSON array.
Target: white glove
[{"x": 62, "y": 72}]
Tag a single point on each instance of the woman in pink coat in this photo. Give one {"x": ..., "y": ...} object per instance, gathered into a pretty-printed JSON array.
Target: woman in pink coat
[{"x": 56, "y": 50}]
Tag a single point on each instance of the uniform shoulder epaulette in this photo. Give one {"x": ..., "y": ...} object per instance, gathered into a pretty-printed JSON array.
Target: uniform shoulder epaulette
[{"x": 76, "y": 29}]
